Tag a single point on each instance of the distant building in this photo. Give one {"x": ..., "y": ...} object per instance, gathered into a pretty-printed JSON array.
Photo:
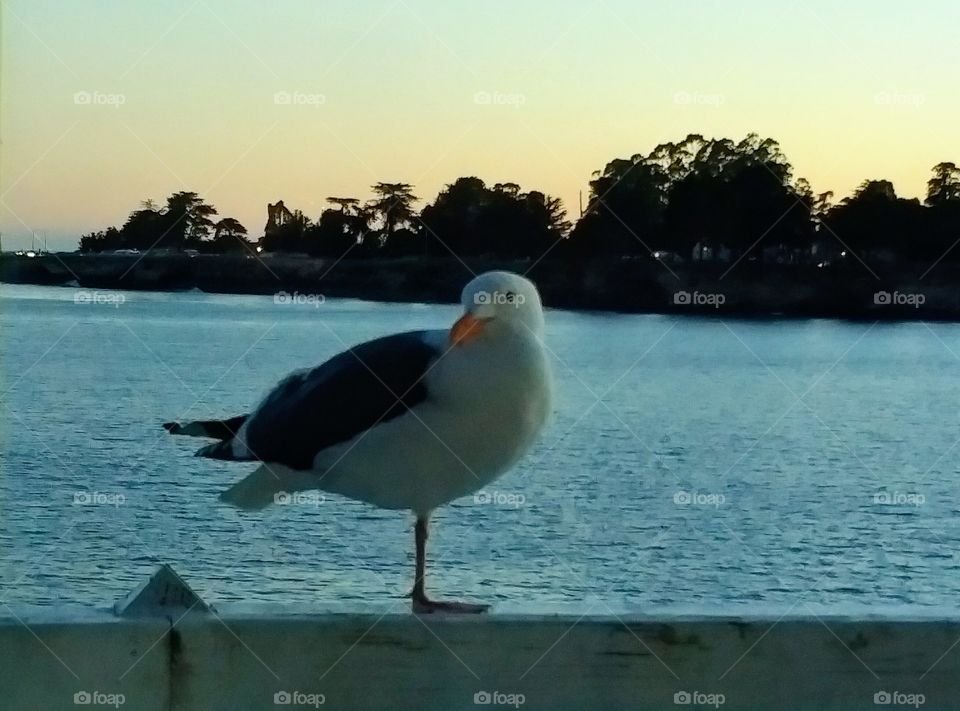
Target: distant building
[{"x": 706, "y": 253}]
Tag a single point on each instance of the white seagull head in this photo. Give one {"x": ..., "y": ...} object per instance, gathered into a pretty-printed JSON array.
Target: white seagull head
[{"x": 495, "y": 301}]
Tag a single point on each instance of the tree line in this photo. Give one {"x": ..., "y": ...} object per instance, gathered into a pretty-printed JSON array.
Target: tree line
[
  {"x": 184, "y": 222},
  {"x": 697, "y": 199}
]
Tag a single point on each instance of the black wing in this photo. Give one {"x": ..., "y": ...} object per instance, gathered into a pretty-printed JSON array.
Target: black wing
[{"x": 350, "y": 393}]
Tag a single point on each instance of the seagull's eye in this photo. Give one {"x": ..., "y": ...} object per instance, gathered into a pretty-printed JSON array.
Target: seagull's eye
[{"x": 510, "y": 297}]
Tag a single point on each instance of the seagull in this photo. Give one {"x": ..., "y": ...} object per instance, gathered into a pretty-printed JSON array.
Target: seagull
[{"x": 408, "y": 421}]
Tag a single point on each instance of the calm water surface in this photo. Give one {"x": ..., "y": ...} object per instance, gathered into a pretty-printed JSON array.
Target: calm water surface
[{"x": 689, "y": 461}]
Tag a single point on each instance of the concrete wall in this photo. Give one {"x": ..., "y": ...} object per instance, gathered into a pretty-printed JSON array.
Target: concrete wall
[{"x": 240, "y": 657}]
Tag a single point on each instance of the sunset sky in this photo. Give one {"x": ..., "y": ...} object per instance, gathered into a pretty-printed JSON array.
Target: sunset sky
[{"x": 107, "y": 103}]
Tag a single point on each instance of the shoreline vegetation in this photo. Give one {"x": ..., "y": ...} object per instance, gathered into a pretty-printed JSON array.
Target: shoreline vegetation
[
  {"x": 711, "y": 226},
  {"x": 617, "y": 285}
]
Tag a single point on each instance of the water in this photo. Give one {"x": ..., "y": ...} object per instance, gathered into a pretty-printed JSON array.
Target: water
[{"x": 785, "y": 438}]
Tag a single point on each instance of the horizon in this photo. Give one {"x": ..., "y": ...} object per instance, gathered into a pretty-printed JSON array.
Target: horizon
[{"x": 291, "y": 103}]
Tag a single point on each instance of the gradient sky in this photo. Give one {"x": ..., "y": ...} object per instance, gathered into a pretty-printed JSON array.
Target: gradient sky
[{"x": 851, "y": 90}]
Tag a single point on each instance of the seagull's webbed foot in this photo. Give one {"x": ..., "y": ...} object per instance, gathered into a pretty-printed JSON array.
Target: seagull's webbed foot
[{"x": 423, "y": 605}]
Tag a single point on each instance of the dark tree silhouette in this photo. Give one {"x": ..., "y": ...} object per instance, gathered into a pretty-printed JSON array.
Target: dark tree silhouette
[
  {"x": 944, "y": 186},
  {"x": 338, "y": 233},
  {"x": 468, "y": 218},
  {"x": 452, "y": 222},
  {"x": 712, "y": 194},
  {"x": 346, "y": 205},
  {"x": 185, "y": 221},
  {"x": 143, "y": 229},
  {"x": 943, "y": 225},
  {"x": 228, "y": 236},
  {"x": 392, "y": 204},
  {"x": 878, "y": 225},
  {"x": 698, "y": 199},
  {"x": 105, "y": 240},
  {"x": 285, "y": 230}
]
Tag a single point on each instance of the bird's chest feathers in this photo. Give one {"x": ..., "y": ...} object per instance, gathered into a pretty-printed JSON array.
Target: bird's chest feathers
[{"x": 507, "y": 392}]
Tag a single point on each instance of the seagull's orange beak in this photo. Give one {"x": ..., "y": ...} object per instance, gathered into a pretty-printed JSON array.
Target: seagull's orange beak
[{"x": 466, "y": 329}]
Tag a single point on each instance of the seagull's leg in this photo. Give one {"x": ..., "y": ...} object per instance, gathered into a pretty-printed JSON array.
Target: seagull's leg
[{"x": 421, "y": 603}]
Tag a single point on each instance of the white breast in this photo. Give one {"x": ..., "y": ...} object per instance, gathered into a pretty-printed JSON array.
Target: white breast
[{"x": 488, "y": 401}]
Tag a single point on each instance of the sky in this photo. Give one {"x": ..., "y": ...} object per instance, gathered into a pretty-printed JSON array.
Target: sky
[{"x": 106, "y": 103}]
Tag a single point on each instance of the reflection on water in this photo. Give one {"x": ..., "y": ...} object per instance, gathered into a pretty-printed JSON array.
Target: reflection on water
[{"x": 689, "y": 461}]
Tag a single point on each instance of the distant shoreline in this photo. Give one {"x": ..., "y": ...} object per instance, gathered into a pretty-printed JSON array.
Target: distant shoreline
[{"x": 639, "y": 285}]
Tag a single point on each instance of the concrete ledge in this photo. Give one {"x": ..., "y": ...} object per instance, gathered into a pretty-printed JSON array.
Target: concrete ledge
[
  {"x": 57, "y": 659},
  {"x": 342, "y": 657}
]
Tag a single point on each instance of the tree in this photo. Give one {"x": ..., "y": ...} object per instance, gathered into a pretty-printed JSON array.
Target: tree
[
  {"x": 347, "y": 205},
  {"x": 713, "y": 192},
  {"x": 285, "y": 231},
  {"x": 228, "y": 227},
  {"x": 625, "y": 212},
  {"x": 338, "y": 233},
  {"x": 229, "y": 235},
  {"x": 393, "y": 205},
  {"x": 106, "y": 240},
  {"x": 143, "y": 228},
  {"x": 944, "y": 186},
  {"x": 874, "y": 220},
  {"x": 468, "y": 218},
  {"x": 185, "y": 221},
  {"x": 943, "y": 197},
  {"x": 451, "y": 224}
]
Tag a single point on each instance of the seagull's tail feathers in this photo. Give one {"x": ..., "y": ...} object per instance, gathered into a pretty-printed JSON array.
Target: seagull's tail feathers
[
  {"x": 221, "y": 450},
  {"x": 215, "y": 429},
  {"x": 267, "y": 484}
]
